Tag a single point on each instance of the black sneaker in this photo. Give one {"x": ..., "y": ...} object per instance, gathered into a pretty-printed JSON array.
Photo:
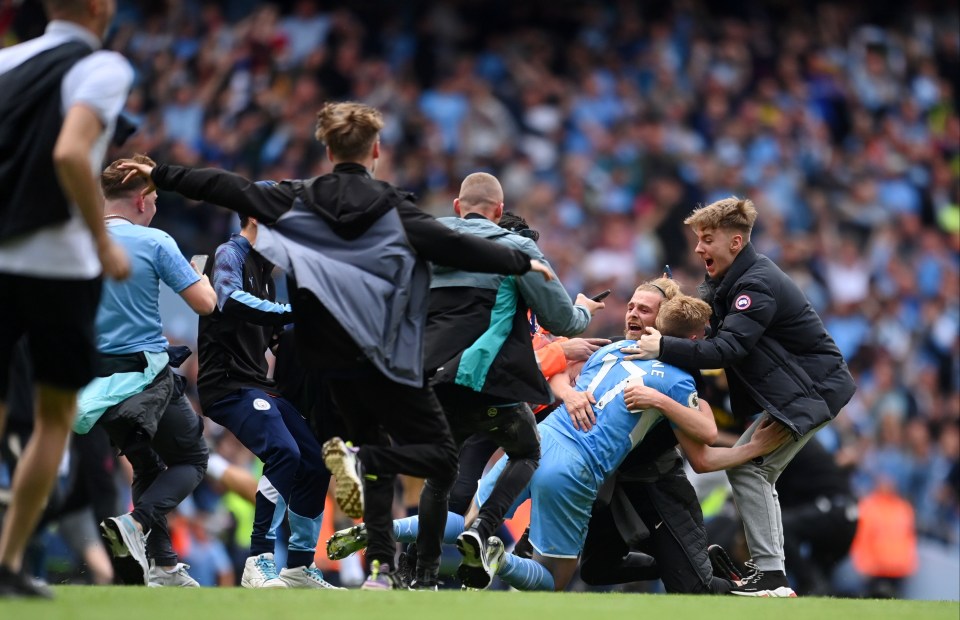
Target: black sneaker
[
  {"x": 767, "y": 584},
  {"x": 723, "y": 566},
  {"x": 17, "y": 584},
  {"x": 423, "y": 582},
  {"x": 406, "y": 564},
  {"x": 473, "y": 571}
]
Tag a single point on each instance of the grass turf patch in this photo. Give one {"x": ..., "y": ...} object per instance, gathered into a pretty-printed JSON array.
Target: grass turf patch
[{"x": 108, "y": 603}]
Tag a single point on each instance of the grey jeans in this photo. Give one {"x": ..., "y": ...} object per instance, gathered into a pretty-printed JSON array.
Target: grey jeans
[{"x": 755, "y": 494}]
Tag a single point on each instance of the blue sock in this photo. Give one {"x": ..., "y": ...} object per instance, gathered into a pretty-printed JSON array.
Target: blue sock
[
  {"x": 304, "y": 532},
  {"x": 453, "y": 528},
  {"x": 406, "y": 530},
  {"x": 524, "y": 574}
]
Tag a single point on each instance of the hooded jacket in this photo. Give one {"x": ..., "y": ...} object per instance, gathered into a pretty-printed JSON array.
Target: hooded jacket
[
  {"x": 356, "y": 250},
  {"x": 778, "y": 355},
  {"x": 478, "y": 330}
]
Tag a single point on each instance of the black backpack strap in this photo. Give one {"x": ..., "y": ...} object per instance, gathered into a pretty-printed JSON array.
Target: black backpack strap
[{"x": 30, "y": 122}]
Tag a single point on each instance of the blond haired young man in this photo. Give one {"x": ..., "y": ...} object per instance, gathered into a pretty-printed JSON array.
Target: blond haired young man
[{"x": 779, "y": 358}]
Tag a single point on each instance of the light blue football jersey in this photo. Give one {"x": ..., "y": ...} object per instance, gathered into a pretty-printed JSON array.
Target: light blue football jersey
[{"x": 618, "y": 430}]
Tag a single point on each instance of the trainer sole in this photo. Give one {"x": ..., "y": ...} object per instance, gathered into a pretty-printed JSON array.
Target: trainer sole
[
  {"x": 471, "y": 572},
  {"x": 127, "y": 570},
  {"x": 349, "y": 490},
  {"x": 781, "y": 592},
  {"x": 342, "y": 546}
]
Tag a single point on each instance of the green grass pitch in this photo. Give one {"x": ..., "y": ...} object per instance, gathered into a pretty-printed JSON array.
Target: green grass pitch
[{"x": 107, "y": 603}]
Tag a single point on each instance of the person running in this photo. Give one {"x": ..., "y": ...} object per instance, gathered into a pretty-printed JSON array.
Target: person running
[
  {"x": 65, "y": 93},
  {"x": 236, "y": 393},
  {"x": 483, "y": 367},
  {"x": 136, "y": 397}
]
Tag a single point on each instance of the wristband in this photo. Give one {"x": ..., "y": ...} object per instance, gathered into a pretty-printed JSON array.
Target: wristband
[{"x": 217, "y": 466}]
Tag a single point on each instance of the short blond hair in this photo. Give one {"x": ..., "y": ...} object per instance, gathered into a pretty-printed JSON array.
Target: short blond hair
[
  {"x": 480, "y": 189},
  {"x": 111, "y": 179},
  {"x": 348, "y": 129},
  {"x": 731, "y": 213},
  {"x": 683, "y": 316}
]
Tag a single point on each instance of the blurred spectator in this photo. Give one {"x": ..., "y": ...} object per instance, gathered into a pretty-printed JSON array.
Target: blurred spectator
[{"x": 885, "y": 546}]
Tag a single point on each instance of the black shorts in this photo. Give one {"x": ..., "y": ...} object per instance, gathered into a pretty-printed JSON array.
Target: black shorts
[{"x": 57, "y": 318}]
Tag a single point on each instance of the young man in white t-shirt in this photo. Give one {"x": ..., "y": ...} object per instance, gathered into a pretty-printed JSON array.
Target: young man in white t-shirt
[{"x": 51, "y": 256}]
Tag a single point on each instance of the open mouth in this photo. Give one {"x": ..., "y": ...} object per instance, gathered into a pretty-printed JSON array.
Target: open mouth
[
  {"x": 634, "y": 327},
  {"x": 708, "y": 262}
]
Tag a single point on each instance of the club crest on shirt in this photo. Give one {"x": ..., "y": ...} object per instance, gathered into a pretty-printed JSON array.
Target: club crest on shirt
[
  {"x": 260, "y": 405},
  {"x": 742, "y": 302}
]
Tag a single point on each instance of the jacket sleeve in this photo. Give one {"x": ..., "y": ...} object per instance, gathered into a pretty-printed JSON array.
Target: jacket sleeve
[
  {"x": 439, "y": 244},
  {"x": 234, "y": 301},
  {"x": 555, "y": 312},
  {"x": 262, "y": 200},
  {"x": 551, "y": 359},
  {"x": 752, "y": 309}
]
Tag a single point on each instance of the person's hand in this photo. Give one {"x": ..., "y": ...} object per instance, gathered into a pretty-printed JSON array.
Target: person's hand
[
  {"x": 591, "y": 306},
  {"x": 638, "y": 396},
  {"x": 580, "y": 349},
  {"x": 541, "y": 268},
  {"x": 113, "y": 259},
  {"x": 770, "y": 435},
  {"x": 647, "y": 348},
  {"x": 579, "y": 409},
  {"x": 143, "y": 170}
]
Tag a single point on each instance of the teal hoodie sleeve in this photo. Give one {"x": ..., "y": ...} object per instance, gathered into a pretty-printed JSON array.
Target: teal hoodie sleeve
[{"x": 549, "y": 300}]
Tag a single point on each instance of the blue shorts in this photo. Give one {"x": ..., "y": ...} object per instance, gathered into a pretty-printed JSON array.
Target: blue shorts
[{"x": 562, "y": 491}]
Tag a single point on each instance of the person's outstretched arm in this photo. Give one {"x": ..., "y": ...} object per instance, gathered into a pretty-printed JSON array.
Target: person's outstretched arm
[
  {"x": 264, "y": 201},
  {"x": 445, "y": 246}
]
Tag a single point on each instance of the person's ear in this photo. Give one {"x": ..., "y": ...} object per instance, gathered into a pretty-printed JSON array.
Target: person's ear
[
  {"x": 456, "y": 207},
  {"x": 141, "y": 206},
  {"x": 498, "y": 213},
  {"x": 329, "y": 155},
  {"x": 736, "y": 243},
  {"x": 376, "y": 150}
]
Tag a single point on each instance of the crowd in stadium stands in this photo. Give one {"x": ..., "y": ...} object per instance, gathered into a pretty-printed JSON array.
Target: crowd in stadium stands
[{"x": 607, "y": 122}]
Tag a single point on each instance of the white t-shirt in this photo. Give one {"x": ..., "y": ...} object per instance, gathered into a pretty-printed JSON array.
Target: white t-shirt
[{"x": 100, "y": 82}]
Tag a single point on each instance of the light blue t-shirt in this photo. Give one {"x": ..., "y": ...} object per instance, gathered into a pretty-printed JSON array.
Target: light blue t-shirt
[
  {"x": 617, "y": 430},
  {"x": 128, "y": 319}
]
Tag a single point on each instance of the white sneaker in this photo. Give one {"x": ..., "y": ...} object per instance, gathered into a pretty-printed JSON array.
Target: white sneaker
[
  {"x": 128, "y": 549},
  {"x": 343, "y": 462},
  {"x": 179, "y": 578},
  {"x": 306, "y": 577},
  {"x": 260, "y": 571}
]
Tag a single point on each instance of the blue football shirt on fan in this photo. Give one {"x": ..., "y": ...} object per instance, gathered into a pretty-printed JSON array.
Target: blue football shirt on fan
[{"x": 128, "y": 319}]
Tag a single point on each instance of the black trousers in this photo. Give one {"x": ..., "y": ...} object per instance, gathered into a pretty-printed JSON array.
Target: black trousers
[
  {"x": 826, "y": 527},
  {"x": 607, "y": 559},
  {"x": 166, "y": 469},
  {"x": 510, "y": 426},
  {"x": 375, "y": 410},
  {"x": 475, "y": 453}
]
